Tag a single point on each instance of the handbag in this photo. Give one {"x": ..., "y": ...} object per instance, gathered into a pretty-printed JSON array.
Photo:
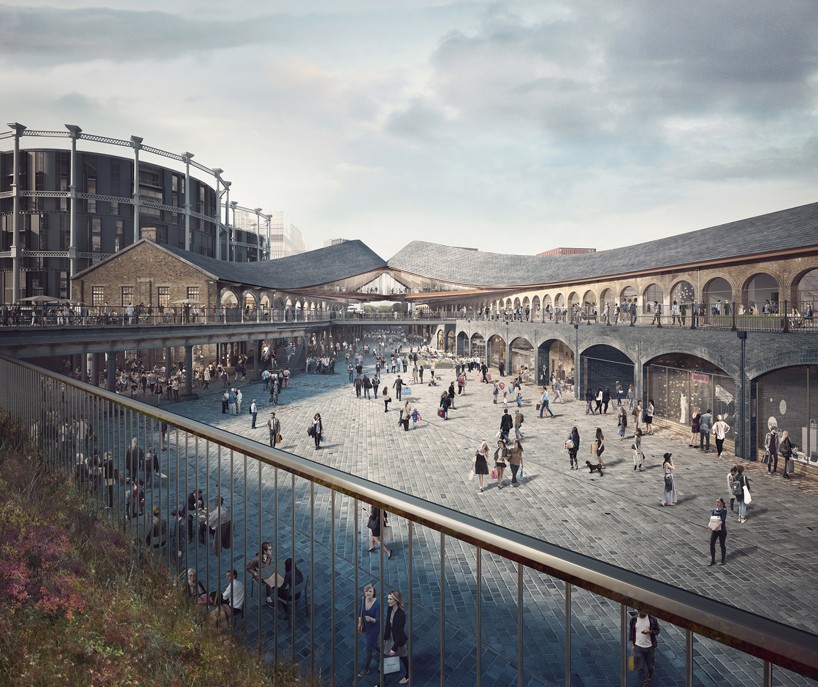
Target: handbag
[
  {"x": 569, "y": 444},
  {"x": 747, "y": 496},
  {"x": 494, "y": 473},
  {"x": 471, "y": 474},
  {"x": 631, "y": 662},
  {"x": 715, "y": 523},
  {"x": 790, "y": 465},
  {"x": 766, "y": 459},
  {"x": 278, "y": 439},
  {"x": 441, "y": 412},
  {"x": 391, "y": 664},
  {"x": 538, "y": 406}
]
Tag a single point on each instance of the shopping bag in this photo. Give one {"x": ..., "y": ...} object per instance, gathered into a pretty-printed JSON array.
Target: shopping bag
[
  {"x": 522, "y": 474},
  {"x": 391, "y": 664},
  {"x": 471, "y": 474},
  {"x": 441, "y": 412},
  {"x": 407, "y": 390},
  {"x": 631, "y": 662},
  {"x": 790, "y": 465},
  {"x": 747, "y": 496},
  {"x": 494, "y": 473}
]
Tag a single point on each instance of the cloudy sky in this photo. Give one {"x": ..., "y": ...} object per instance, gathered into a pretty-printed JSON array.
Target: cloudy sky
[{"x": 513, "y": 126}]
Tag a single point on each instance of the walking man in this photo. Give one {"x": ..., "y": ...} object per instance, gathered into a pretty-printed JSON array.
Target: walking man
[
  {"x": 274, "y": 426},
  {"x": 544, "y": 402},
  {"x": 398, "y": 385},
  {"x": 506, "y": 422},
  {"x": 642, "y": 633},
  {"x": 253, "y": 412}
]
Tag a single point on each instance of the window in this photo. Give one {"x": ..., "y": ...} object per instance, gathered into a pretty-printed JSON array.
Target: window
[
  {"x": 64, "y": 187},
  {"x": 114, "y": 207},
  {"x": 115, "y": 178},
  {"x": 92, "y": 188},
  {"x": 63, "y": 284},
  {"x": 150, "y": 177},
  {"x": 96, "y": 235},
  {"x": 118, "y": 236},
  {"x": 151, "y": 195},
  {"x": 97, "y": 296},
  {"x": 163, "y": 296},
  {"x": 127, "y": 295},
  {"x": 193, "y": 293}
]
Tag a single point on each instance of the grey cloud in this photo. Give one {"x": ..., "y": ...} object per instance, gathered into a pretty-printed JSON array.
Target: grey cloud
[{"x": 57, "y": 35}]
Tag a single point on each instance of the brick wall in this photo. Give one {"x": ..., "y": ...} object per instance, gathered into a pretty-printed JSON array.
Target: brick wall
[{"x": 145, "y": 267}]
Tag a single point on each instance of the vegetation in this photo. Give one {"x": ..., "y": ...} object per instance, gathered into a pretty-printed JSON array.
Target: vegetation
[{"x": 78, "y": 608}]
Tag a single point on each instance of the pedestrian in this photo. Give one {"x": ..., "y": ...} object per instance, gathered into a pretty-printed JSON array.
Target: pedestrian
[
  {"x": 519, "y": 418},
  {"x": 274, "y": 427},
  {"x": 589, "y": 402},
  {"x": 398, "y": 386},
  {"x": 598, "y": 447},
  {"x": 740, "y": 483},
  {"x": 572, "y": 445},
  {"x": 358, "y": 386},
  {"x": 718, "y": 531},
  {"x": 445, "y": 404},
  {"x": 253, "y": 413},
  {"x": 695, "y": 421},
  {"x": 395, "y": 634},
  {"x": 231, "y": 401},
  {"x": 451, "y": 396},
  {"x": 369, "y": 624},
  {"x": 636, "y": 446},
  {"x": 650, "y": 409},
  {"x": 500, "y": 458},
  {"x": 544, "y": 403},
  {"x": 786, "y": 449},
  {"x": 506, "y": 423},
  {"x": 386, "y": 400},
  {"x": 637, "y": 414},
  {"x": 515, "y": 460},
  {"x": 480, "y": 464},
  {"x": 598, "y": 400},
  {"x": 771, "y": 444},
  {"x": 730, "y": 477},
  {"x": 642, "y": 633},
  {"x": 622, "y": 422},
  {"x": 705, "y": 425},
  {"x": 317, "y": 430},
  {"x": 606, "y": 400},
  {"x": 374, "y": 524},
  {"x": 631, "y": 397},
  {"x": 376, "y": 382},
  {"x": 495, "y": 392},
  {"x": 668, "y": 497},
  {"x": 720, "y": 430}
]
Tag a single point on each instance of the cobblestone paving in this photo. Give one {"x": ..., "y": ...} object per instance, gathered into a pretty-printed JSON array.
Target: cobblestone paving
[{"x": 771, "y": 567}]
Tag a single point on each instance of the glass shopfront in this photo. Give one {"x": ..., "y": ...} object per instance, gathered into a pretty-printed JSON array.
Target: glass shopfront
[
  {"x": 682, "y": 385},
  {"x": 787, "y": 399}
]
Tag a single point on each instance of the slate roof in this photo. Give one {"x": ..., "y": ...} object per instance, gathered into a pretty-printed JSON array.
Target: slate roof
[
  {"x": 786, "y": 229},
  {"x": 313, "y": 268}
]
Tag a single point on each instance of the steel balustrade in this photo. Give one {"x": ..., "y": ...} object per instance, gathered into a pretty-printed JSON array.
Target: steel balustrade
[{"x": 72, "y": 421}]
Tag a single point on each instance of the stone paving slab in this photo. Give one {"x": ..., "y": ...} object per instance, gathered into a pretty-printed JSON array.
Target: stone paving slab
[{"x": 617, "y": 518}]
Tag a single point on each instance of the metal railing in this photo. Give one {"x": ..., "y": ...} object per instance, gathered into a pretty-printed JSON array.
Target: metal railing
[{"x": 480, "y": 599}]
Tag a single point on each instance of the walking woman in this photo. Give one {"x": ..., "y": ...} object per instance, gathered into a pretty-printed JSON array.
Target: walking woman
[
  {"x": 317, "y": 429},
  {"x": 718, "y": 531},
  {"x": 369, "y": 624},
  {"x": 631, "y": 397},
  {"x": 481, "y": 463},
  {"x": 649, "y": 416},
  {"x": 740, "y": 482},
  {"x": 694, "y": 429},
  {"x": 395, "y": 633},
  {"x": 572, "y": 444},
  {"x": 598, "y": 447},
  {"x": 786, "y": 449},
  {"x": 374, "y": 524},
  {"x": 500, "y": 456},
  {"x": 638, "y": 456},
  {"x": 637, "y": 414},
  {"x": 720, "y": 430},
  {"x": 598, "y": 400},
  {"x": 515, "y": 459},
  {"x": 668, "y": 482},
  {"x": 622, "y": 422}
]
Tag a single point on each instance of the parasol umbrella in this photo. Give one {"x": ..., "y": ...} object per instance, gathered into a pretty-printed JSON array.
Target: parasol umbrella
[
  {"x": 187, "y": 301},
  {"x": 38, "y": 300}
]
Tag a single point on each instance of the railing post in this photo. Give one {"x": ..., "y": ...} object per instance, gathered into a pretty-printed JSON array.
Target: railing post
[
  {"x": 733, "y": 314},
  {"x": 567, "y": 634},
  {"x": 688, "y": 658},
  {"x": 623, "y": 645},
  {"x": 786, "y": 318}
]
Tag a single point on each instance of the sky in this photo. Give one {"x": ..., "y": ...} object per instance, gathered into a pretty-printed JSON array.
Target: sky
[{"x": 513, "y": 127}]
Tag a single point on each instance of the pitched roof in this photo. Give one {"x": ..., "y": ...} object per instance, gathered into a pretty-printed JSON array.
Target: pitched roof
[
  {"x": 313, "y": 268},
  {"x": 789, "y": 229}
]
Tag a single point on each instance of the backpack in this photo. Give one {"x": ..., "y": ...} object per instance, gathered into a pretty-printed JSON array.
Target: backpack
[
  {"x": 737, "y": 487},
  {"x": 522, "y": 418}
]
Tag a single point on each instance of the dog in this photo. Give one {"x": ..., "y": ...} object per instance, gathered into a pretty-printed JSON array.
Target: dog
[{"x": 594, "y": 468}]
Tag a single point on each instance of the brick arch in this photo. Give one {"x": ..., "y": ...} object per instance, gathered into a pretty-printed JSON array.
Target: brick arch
[
  {"x": 229, "y": 294},
  {"x": 779, "y": 360},
  {"x": 718, "y": 357}
]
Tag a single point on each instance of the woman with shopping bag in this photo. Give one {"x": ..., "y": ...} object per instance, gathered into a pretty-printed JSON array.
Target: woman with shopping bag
[
  {"x": 394, "y": 636},
  {"x": 718, "y": 531}
]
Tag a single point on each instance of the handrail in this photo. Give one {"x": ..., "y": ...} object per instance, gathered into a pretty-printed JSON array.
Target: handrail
[{"x": 764, "y": 638}]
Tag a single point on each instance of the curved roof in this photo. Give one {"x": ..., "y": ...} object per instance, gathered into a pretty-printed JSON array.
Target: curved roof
[
  {"x": 313, "y": 268},
  {"x": 789, "y": 229}
]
